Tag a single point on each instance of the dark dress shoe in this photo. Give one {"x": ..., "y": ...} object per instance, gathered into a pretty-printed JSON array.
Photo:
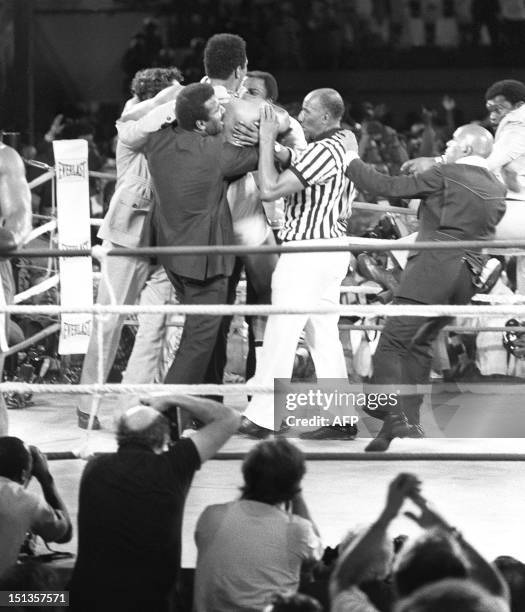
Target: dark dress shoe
[
  {"x": 252, "y": 430},
  {"x": 83, "y": 420},
  {"x": 335, "y": 432},
  {"x": 394, "y": 426},
  {"x": 370, "y": 269}
]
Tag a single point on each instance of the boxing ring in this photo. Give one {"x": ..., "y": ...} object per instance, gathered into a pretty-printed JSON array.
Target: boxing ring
[{"x": 493, "y": 306}]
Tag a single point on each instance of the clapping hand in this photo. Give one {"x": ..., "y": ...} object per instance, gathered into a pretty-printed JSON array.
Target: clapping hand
[
  {"x": 403, "y": 486},
  {"x": 429, "y": 518}
]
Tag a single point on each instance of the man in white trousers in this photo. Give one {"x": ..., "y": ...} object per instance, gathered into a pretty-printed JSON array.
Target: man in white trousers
[{"x": 317, "y": 200}]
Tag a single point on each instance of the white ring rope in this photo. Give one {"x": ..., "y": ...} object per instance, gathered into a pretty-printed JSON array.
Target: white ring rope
[
  {"x": 42, "y": 287},
  {"x": 386, "y": 310},
  {"x": 160, "y": 389},
  {"x": 50, "y": 226}
]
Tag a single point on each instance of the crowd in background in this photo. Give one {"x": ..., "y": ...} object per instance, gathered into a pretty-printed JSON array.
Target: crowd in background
[{"x": 335, "y": 34}]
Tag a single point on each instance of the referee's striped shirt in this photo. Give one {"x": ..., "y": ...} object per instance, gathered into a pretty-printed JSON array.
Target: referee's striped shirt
[{"x": 321, "y": 208}]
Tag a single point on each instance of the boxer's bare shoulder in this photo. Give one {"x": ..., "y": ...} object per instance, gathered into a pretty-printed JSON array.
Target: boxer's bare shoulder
[{"x": 15, "y": 196}]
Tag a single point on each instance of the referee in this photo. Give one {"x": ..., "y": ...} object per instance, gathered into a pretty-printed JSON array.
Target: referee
[{"x": 317, "y": 201}]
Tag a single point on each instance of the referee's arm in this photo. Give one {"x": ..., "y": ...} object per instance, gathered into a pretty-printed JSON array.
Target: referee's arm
[{"x": 273, "y": 185}]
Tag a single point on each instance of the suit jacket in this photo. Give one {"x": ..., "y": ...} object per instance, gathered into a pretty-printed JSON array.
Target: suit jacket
[
  {"x": 133, "y": 197},
  {"x": 459, "y": 202},
  {"x": 190, "y": 173}
]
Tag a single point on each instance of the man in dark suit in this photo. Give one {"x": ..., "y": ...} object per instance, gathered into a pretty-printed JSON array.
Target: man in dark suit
[
  {"x": 190, "y": 166},
  {"x": 461, "y": 200}
]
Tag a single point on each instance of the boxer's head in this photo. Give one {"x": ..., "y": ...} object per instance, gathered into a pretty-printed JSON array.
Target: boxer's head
[
  {"x": 468, "y": 140},
  {"x": 225, "y": 59},
  {"x": 502, "y": 97},
  {"x": 322, "y": 110},
  {"x": 259, "y": 84},
  {"x": 149, "y": 82},
  {"x": 198, "y": 108}
]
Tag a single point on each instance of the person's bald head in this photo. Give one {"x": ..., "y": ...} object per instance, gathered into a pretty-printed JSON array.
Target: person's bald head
[
  {"x": 143, "y": 426},
  {"x": 322, "y": 110},
  {"x": 469, "y": 140}
]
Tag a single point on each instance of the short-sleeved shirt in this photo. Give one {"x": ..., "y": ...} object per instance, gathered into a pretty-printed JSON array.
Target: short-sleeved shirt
[
  {"x": 190, "y": 173},
  {"x": 22, "y": 511},
  {"x": 129, "y": 525},
  {"x": 320, "y": 209},
  {"x": 248, "y": 550}
]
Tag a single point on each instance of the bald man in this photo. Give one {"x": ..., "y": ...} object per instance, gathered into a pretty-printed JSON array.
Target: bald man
[
  {"x": 131, "y": 506},
  {"x": 461, "y": 200}
]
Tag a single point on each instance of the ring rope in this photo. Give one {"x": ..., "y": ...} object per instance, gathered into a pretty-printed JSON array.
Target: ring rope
[
  {"x": 224, "y": 455},
  {"x": 361, "y": 310},
  {"x": 160, "y": 389},
  {"x": 371, "y": 245}
]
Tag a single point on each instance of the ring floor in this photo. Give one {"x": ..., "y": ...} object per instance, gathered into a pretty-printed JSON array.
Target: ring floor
[{"x": 484, "y": 499}]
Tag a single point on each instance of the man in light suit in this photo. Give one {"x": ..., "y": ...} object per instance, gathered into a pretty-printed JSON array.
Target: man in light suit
[{"x": 126, "y": 279}]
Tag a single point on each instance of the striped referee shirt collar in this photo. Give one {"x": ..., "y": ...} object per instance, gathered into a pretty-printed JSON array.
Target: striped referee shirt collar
[{"x": 326, "y": 134}]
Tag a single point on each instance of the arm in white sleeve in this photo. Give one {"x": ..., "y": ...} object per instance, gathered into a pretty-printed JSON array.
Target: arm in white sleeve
[
  {"x": 509, "y": 146},
  {"x": 134, "y": 134}
]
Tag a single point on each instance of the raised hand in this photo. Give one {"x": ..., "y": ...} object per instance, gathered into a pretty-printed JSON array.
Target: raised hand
[
  {"x": 448, "y": 103},
  {"x": 402, "y": 487}
]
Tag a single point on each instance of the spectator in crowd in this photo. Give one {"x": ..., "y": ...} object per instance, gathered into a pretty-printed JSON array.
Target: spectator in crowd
[
  {"x": 15, "y": 212},
  {"x": 513, "y": 24},
  {"x": 22, "y": 511},
  {"x": 469, "y": 208},
  {"x": 452, "y": 595},
  {"x": 143, "y": 51},
  {"x": 192, "y": 66},
  {"x": 486, "y": 13},
  {"x": 440, "y": 552},
  {"x": 513, "y": 572},
  {"x": 129, "y": 279},
  {"x": 255, "y": 546},
  {"x": 131, "y": 506}
]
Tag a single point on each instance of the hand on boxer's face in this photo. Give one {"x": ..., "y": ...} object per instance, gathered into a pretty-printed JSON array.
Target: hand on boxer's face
[{"x": 246, "y": 134}]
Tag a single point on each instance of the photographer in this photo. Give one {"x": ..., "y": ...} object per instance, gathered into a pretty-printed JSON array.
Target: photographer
[
  {"x": 22, "y": 511},
  {"x": 131, "y": 505}
]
